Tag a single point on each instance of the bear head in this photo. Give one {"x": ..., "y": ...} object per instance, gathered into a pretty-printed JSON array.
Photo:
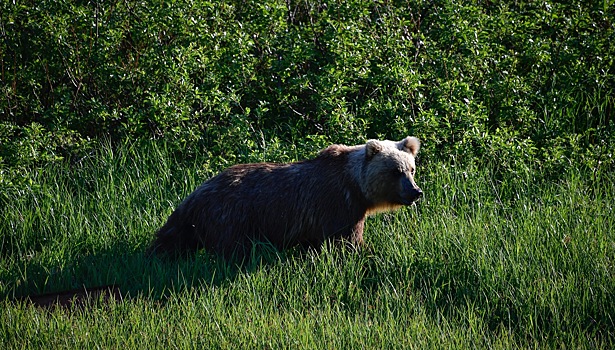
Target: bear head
[{"x": 388, "y": 170}]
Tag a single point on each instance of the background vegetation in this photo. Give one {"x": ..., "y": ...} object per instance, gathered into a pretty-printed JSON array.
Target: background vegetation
[
  {"x": 525, "y": 83},
  {"x": 112, "y": 111}
]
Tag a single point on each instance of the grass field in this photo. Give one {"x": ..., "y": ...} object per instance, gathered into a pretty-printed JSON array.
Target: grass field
[{"x": 484, "y": 261}]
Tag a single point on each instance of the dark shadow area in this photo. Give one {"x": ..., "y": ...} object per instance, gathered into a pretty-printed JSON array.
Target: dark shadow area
[
  {"x": 74, "y": 297},
  {"x": 118, "y": 274}
]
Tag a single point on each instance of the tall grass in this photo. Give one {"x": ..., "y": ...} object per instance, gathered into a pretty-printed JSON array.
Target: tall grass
[{"x": 482, "y": 261}]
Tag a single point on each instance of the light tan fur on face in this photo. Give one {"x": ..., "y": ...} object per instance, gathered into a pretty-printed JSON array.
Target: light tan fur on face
[{"x": 383, "y": 157}]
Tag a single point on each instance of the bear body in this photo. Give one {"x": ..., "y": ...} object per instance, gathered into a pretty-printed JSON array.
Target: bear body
[{"x": 303, "y": 203}]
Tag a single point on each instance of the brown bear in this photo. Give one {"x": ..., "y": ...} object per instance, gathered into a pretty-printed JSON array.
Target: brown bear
[{"x": 303, "y": 203}]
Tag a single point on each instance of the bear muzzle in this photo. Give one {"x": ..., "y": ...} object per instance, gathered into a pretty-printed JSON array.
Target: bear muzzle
[
  {"x": 412, "y": 197},
  {"x": 410, "y": 192}
]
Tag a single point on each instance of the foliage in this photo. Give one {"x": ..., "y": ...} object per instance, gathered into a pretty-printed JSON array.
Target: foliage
[{"x": 519, "y": 83}]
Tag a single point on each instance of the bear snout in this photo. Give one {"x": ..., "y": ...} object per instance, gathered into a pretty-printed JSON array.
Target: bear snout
[
  {"x": 415, "y": 195},
  {"x": 410, "y": 192},
  {"x": 419, "y": 193}
]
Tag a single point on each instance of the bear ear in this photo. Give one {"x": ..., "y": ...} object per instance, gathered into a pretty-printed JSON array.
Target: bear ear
[
  {"x": 411, "y": 145},
  {"x": 372, "y": 147}
]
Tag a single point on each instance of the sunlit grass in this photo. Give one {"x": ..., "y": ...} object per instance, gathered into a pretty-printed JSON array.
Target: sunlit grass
[{"x": 482, "y": 261}]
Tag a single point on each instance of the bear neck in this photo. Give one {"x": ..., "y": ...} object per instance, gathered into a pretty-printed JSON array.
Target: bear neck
[{"x": 351, "y": 160}]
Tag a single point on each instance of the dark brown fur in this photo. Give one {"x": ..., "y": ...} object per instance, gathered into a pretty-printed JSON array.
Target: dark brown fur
[{"x": 303, "y": 203}]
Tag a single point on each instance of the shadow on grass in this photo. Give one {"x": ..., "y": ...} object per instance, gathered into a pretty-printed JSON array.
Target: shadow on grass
[{"x": 114, "y": 273}]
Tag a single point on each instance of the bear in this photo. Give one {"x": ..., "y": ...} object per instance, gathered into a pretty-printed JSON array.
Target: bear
[{"x": 302, "y": 204}]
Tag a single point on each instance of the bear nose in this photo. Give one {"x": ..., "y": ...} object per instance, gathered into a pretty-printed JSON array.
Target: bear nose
[{"x": 419, "y": 192}]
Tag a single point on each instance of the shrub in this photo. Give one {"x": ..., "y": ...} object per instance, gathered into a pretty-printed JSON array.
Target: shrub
[{"x": 524, "y": 84}]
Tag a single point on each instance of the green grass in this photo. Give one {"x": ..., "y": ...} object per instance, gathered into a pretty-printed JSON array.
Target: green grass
[{"x": 482, "y": 261}]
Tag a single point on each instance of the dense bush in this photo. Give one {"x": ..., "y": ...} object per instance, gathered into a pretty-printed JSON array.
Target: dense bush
[{"x": 525, "y": 84}]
